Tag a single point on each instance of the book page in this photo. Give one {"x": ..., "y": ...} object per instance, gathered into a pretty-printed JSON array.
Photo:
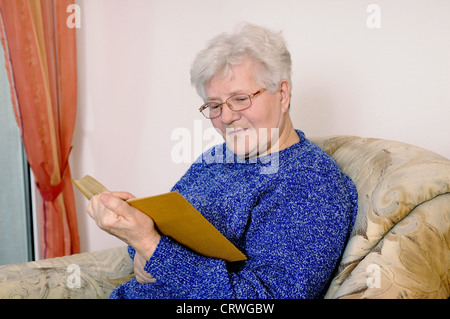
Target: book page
[{"x": 89, "y": 186}]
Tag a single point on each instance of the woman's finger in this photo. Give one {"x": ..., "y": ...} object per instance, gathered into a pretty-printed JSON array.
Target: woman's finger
[{"x": 117, "y": 204}]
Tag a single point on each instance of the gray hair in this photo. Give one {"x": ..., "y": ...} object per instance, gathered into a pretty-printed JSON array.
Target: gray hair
[{"x": 266, "y": 47}]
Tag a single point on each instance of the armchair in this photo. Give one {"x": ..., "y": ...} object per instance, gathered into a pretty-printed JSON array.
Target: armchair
[{"x": 399, "y": 247}]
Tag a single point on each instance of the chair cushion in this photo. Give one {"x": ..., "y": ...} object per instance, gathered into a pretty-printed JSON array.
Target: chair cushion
[
  {"x": 85, "y": 275},
  {"x": 403, "y": 208}
]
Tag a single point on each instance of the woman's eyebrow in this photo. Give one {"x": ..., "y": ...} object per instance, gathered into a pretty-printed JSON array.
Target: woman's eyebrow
[
  {"x": 228, "y": 95},
  {"x": 210, "y": 99}
]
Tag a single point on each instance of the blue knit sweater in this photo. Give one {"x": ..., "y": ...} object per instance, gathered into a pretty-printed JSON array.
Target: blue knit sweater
[{"x": 290, "y": 214}]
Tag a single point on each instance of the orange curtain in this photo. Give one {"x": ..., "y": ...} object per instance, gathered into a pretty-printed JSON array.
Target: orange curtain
[{"x": 40, "y": 54}]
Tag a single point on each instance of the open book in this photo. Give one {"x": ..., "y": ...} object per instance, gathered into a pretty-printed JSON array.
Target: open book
[{"x": 175, "y": 217}]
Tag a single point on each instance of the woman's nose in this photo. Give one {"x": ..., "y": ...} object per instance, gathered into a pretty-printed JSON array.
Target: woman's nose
[{"x": 228, "y": 115}]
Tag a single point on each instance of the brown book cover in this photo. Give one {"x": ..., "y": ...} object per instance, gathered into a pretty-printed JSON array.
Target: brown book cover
[{"x": 175, "y": 217}]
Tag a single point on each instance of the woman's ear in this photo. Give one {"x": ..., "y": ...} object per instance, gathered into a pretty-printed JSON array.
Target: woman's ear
[{"x": 285, "y": 95}]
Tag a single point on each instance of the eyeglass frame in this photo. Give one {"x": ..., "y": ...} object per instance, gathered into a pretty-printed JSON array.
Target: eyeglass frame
[{"x": 250, "y": 96}]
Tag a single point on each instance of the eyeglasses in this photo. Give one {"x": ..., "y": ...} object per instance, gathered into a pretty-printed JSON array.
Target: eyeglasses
[{"x": 236, "y": 102}]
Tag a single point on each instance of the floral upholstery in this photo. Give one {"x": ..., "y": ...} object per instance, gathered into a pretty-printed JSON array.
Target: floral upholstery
[
  {"x": 399, "y": 247},
  {"x": 98, "y": 274}
]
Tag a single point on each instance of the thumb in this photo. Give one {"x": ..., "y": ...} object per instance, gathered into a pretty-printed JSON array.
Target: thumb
[
  {"x": 115, "y": 204},
  {"x": 123, "y": 195}
]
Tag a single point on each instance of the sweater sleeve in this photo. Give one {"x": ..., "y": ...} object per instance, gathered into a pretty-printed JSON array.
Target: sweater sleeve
[{"x": 295, "y": 236}]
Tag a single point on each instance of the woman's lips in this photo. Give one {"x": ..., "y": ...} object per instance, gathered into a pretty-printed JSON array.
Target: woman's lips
[{"x": 236, "y": 132}]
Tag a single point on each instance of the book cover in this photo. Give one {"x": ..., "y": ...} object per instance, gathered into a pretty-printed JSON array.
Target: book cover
[{"x": 176, "y": 218}]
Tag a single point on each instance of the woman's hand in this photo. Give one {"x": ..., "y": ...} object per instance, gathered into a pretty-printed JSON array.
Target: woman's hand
[
  {"x": 117, "y": 217},
  {"x": 142, "y": 276}
]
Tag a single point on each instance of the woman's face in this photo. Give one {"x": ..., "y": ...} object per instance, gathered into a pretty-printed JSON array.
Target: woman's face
[{"x": 254, "y": 131}]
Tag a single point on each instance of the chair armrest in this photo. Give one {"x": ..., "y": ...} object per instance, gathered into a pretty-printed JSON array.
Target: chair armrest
[
  {"x": 85, "y": 275},
  {"x": 400, "y": 238}
]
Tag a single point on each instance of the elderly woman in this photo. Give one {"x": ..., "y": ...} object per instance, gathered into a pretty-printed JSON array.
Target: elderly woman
[{"x": 291, "y": 219}]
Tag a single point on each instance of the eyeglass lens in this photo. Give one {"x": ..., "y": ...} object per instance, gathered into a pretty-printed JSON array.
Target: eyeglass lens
[{"x": 236, "y": 102}]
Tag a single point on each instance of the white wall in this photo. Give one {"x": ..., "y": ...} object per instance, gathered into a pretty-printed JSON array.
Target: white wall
[{"x": 134, "y": 86}]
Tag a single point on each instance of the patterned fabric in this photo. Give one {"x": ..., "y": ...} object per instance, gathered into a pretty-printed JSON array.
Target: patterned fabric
[
  {"x": 60, "y": 278},
  {"x": 399, "y": 247}
]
